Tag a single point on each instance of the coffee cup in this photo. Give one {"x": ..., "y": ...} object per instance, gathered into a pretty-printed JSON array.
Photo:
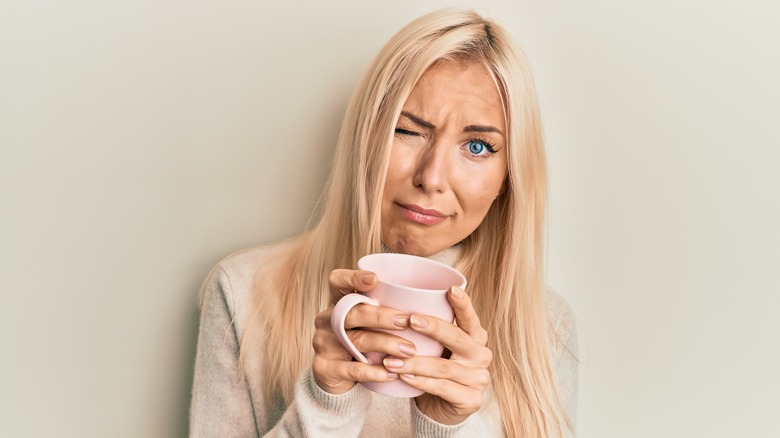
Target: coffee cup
[{"x": 410, "y": 284}]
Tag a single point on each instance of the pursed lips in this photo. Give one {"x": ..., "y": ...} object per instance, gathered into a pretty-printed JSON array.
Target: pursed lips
[{"x": 422, "y": 215}]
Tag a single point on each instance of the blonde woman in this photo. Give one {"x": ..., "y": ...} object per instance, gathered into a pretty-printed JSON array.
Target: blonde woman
[{"x": 440, "y": 155}]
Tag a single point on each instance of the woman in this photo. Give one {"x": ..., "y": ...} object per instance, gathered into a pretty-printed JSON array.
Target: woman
[{"x": 440, "y": 155}]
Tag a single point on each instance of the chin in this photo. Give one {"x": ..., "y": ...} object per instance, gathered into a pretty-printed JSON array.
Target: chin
[{"x": 405, "y": 245}]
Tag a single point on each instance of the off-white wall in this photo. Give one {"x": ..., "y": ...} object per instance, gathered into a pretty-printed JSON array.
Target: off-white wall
[{"x": 141, "y": 141}]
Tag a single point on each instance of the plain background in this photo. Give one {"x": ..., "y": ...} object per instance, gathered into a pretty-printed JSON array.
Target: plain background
[{"x": 141, "y": 141}]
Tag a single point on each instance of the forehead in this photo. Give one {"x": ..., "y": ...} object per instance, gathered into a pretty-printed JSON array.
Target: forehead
[{"x": 466, "y": 89}]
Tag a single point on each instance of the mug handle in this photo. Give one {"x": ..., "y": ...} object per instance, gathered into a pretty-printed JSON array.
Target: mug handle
[{"x": 339, "y": 315}]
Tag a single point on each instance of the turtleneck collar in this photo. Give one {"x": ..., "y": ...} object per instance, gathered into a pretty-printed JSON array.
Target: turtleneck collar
[{"x": 448, "y": 256}]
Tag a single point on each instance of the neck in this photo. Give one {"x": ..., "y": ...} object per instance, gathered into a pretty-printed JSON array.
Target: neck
[{"x": 448, "y": 256}]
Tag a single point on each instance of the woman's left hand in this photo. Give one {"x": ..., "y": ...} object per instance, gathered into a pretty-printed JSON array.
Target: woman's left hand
[{"x": 453, "y": 387}]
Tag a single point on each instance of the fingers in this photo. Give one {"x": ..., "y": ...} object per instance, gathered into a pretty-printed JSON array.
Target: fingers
[
  {"x": 438, "y": 369},
  {"x": 325, "y": 342},
  {"x": 455, "y": 387},
  {"x": 345, "y": 281},
  {"x": 460, "y": 343},
  {"x": 365, "y": 340},
  {"x": 363, "y": 315},
  {"x": 375, "y": 317},
  {"x": 461, "y": 400},
  {"x": 465, "y": 315},
  {"x": 337, "y": 377},
  {"x": 333, "y": 367}
]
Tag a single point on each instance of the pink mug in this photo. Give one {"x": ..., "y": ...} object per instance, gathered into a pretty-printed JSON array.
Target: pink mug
[{"x": 410, "y": 284}]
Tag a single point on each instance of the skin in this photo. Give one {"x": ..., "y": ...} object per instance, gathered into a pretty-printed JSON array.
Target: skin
[
  {"x": 449, "y": 156},
  {"x": 453, "y": 107}
]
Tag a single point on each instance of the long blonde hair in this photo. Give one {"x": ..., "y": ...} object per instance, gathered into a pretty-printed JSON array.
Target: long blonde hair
[{"x": 502, "y": 258}]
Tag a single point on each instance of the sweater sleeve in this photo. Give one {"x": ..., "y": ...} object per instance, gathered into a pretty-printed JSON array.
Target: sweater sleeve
[
  {"x": 222, "y": 402},
  {"x": 473, "y": 426},
  {"x": 565, "y": 353},
  {"x": 315, "y": 412},
  {"x": 566, "y": 369}
]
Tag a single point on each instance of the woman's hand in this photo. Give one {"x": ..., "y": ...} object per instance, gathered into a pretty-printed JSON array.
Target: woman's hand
[
  {"x": 454, "y": 386},
  {"x": 333, "y": 368}
]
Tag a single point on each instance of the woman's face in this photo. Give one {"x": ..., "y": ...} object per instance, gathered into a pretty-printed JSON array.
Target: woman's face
[{"x": 448, "y": 159}]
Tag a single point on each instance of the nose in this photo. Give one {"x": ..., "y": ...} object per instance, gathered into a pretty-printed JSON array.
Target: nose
[{"x": 431, "y": 174}]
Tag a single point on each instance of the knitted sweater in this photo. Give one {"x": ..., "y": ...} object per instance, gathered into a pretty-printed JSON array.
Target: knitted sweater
[{"x": 226, "y": 403}]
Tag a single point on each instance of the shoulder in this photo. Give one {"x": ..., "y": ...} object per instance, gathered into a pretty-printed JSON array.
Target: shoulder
[
  {"x": 562, "y": 320},
  {"x": 243, "y": 266},
  {"x": 233, "y": 279}
]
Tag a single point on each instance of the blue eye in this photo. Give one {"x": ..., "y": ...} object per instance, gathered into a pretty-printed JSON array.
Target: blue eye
[
  {"x": 480, "y": 148},
  {"x": 476, "y": 147}
]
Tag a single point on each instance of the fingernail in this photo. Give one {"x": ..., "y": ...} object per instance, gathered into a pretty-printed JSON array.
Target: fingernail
[
  {"x": 401, "y": 321},
  {"x": 408, "y": 376},
  {"x": 418, "y": 321},
  {"x": 368, "y": 279},
  {"x": 457, "y": 292},
  {"x": 407, "y": 349},
  {"x": 392, "y": 376},
  {"x": 393, "y": 363}
]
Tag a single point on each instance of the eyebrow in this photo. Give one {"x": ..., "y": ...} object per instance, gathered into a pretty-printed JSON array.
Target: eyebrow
[
  {"x": 418, "y": 120},
  {"x": 469, "y": 128},
  {"x": 482, "y": 128}
]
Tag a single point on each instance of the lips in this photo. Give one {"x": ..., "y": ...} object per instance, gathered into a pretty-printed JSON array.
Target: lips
[{"x": 421, "y": 215}]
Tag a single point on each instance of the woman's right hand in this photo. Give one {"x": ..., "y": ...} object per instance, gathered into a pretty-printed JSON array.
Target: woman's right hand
[{"x": 333, "y": 368}]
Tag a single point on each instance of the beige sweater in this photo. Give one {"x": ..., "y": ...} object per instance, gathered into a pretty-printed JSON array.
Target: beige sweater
[{"x": 224, "y": 404}]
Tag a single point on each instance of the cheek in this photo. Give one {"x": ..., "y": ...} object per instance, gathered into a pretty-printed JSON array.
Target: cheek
[
  {"x": 479, "y": 193},
  {"x": 397, "y": 170},
  {"x": 479, "y": 203},
  {"x": 391, "y": 182}
]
